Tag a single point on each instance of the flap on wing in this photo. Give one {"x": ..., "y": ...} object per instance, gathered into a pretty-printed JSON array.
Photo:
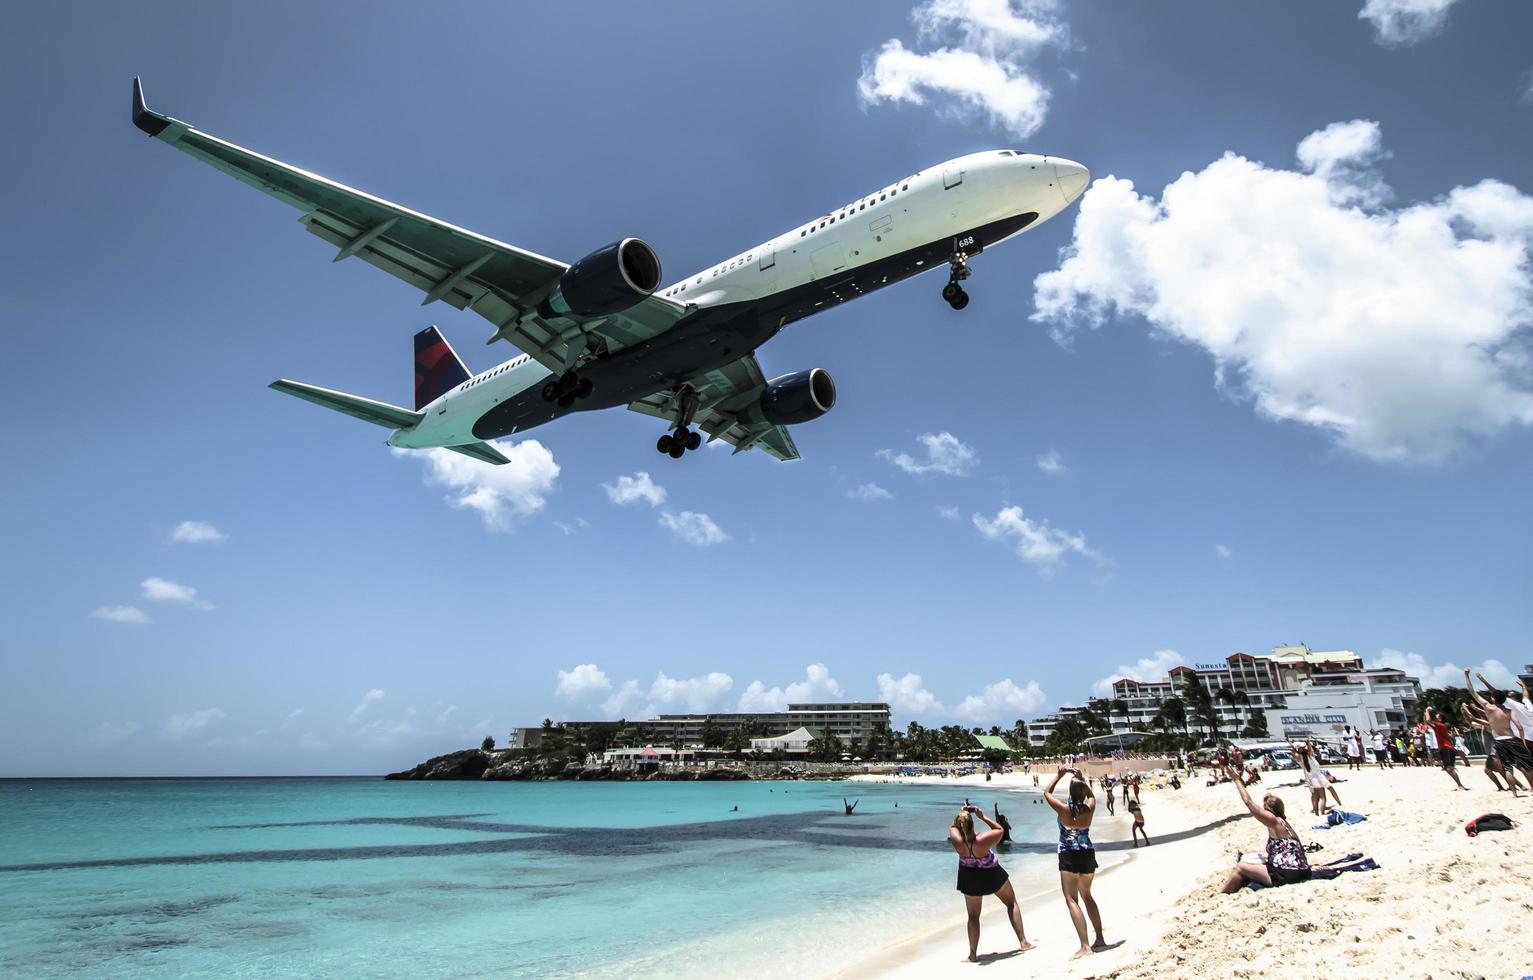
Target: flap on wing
[{"x": 483, "y": 451}]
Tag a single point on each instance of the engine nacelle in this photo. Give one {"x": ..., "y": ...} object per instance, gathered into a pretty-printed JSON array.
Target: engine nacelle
[
  {"x": 800, "y": 397},
  {"x": 607, "y": 281}
]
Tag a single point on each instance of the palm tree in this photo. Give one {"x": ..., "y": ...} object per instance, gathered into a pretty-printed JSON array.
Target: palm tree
[{"x": 1175, "y": 710}]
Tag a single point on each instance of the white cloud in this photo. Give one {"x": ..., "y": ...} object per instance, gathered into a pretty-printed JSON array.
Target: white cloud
[
  {"x": 1449, "y": 674},
  {"x": 1001, "y": 703},
  {"x": 971, "y": 62},
  {"x": 1036, "y": 542},
  {"x": 1223, "y": 551},
  {"x": 581, "y": 681},
  {"x": 665, "y": 694},
  {"x": 500, "y": 494},
  {"x": 907, "y": 695},
  {"x": 192, "y": 723},
  {"x": 1402, "y": 333},
  {"x": 122, "y": 614},
  {"x": 368, "y": 699},
  {"x": 869, "y": 493},
  {"x": 1052, "y": 464},
  {"x": 1526, "y": 96},
  {"x": 196, "y": 532},
  {"x": 111, "y": 732},
  {"x": 1402, "y": 22},
  {"x": 945, "y": 453},
  {"x": 1151, "y": 668},
  {"x": 625, "y": 697},
  {"x": 164, "y": 590},
  {"x": 291, "y": 719},
  {"x": 948, "y": 513},
  {"x": 693, "y": 528},
  {"x": 636, "y": 488},
  {"x": 817, "y": 685}
]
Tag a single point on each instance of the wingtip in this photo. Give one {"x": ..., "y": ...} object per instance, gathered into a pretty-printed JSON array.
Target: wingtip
[{"x": 142, "y": 118}]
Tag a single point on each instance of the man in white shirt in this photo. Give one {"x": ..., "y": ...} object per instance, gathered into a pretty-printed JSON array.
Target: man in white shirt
[
  {"x": 1380, "y": 753},
  {"x": 1517, "y": 705},
  {"x": 1509, "y": 731}
]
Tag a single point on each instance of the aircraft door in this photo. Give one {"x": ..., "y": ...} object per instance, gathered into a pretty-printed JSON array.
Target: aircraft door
[
  {"x": 768, "y": 258},
  {"x": 951, "y": 178}
]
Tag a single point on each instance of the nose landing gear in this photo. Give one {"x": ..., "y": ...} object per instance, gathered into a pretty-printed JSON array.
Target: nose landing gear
[
  {"x": 675, "y": 444},
  {"x": 953, "y": 293},
  {"x": 566, "y": 388}
]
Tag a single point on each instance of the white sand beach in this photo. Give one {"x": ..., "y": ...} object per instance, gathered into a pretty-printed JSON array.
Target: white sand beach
[{"x": 1441, "y": 904}]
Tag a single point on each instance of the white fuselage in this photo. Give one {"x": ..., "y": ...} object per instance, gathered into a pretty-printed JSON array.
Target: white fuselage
[{"x": 929, "y": 206}]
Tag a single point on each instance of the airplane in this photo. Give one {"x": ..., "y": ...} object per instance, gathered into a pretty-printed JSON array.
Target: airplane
[{"x": 605, "y": 332}]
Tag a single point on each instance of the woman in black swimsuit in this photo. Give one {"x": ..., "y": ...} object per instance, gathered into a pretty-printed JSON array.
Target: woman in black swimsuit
[{"x": 980, "y": 874}]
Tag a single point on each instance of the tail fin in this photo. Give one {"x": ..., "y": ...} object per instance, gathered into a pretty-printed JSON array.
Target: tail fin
[{"x": 437, "y": 367}]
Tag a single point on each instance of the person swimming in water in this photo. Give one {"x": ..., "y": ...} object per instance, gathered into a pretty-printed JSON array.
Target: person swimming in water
[
  {"x": 981, "y": 874},
  {"x": 1077, "y": 856}
]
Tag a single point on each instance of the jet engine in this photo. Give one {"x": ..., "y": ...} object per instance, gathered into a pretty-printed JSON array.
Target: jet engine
[
  {"x": 800, "y": 397},
  {"x": 607, "y": 281}
]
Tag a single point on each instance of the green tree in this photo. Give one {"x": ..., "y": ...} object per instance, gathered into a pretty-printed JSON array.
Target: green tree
[
  {"x": 488, "y": 745},
  {"x": 1066, "y": 737}
]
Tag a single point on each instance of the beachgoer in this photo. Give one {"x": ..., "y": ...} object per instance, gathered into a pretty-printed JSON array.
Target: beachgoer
[
  {"x": 1108, "y": 796},
  {"x": 1380, "y": 753},
  {"x": 1519, "y": 704},
  {"x": 1494, "y": 769},
  {"x": 1000, "y": 818},
  {"x": 980, "y": 874},
  {"x": 1136, "y": 787},
  {"x": 1077, "y": 856},
  {"x": 1138, "y": 828},
  {"x": 1285, "y": 861},
  {"x": 1460, "y": 747},
  {"x": 1508, "y": 730},
  {"x": 1318, "y": 781},
  {"x": 1444, "y": 740},
  {"x": 1353, "y": 743}
]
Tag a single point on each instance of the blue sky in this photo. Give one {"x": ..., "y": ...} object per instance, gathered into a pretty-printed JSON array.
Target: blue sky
[{"x": 1283, "y": 400}]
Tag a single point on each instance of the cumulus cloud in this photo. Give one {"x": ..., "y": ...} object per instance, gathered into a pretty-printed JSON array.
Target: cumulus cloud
[
  {"x": 1402, "y": 333},
  {"x": 693, "y": 528},
  {"x": 581, "y": 681},
  {"x": 948, "y": 513},
  {"x": 972, "y": 60},
  {"x": 1003, "y": 701},
  {"x": 692, "y": 695},
  {"x": 1223, "y": 551},
  {"x": 1449, "y": 674},
  {"x": 371, "y": 697},
  {"x": 817, "y": 685},
  {"x": 196, "y": 532},
  {"x": 638, "y": 488},
  {"x": 907, "y": 695},
  {"x": 1397, "y": 23},
  {"x": 1051, "y": 463},
  {"x": 869, "y": 493},
  {"x": 192, "y": 723},
  {"x": 122, "y": 614},
  {"x": 945, "y": 453},
  {"x": 499, "y": 494},
  {"x": 1036, "y": 542},
  {"x": 1151, "y": 668},
  {"x": 164, "y": 590}
]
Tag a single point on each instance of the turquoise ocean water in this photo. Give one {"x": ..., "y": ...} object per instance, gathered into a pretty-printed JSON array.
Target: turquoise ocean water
[{"x": 367, "y": 878}]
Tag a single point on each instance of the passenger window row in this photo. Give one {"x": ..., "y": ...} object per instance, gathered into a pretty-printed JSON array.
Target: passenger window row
[{"x": 852, "y": 209}]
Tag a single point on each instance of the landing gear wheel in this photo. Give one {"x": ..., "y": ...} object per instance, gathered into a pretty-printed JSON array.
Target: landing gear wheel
[
  {"x": 960, "y": 301},
  {"x": 677, "y": 449},
  {"x": 951, "y": 292},
  {"x": 583, "y": 388},
  {"x": 663, "y": 444},
  {"x": 565, "y": 401},
  {"x": 550, "y": 391},
  {"x": 694, "y": 439}
]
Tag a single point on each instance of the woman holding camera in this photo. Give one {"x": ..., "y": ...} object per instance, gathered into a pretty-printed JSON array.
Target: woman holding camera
[
  {"x": 980, "y": 874},
  {"x": 1077, "y": 856}
]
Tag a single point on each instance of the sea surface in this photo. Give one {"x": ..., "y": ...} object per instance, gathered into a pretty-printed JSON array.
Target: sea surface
[{"x": 367, "y": 878}]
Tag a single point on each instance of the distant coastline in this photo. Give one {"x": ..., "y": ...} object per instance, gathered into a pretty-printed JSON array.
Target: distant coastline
[{"x": 513, "y": 764}]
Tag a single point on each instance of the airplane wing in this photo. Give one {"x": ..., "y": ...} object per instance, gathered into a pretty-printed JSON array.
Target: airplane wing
[
  {"x": 502, "y": 283},
  {"x": 481, "y": 451},
  {"x": 724, "y": 395}
]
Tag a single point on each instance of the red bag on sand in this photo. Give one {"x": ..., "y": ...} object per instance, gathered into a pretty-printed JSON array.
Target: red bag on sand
[{"x": 1489, "y": 821}]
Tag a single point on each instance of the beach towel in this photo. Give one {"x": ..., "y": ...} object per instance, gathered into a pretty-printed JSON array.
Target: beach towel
[
  {"x": 1336, "y": 818},
  {"x": 1489, "y": 821}
]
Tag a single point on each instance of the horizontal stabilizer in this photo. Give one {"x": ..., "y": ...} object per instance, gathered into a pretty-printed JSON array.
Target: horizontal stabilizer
[
  {"x": 483, "y": 451},
  {"x": 378, "y": 413}
]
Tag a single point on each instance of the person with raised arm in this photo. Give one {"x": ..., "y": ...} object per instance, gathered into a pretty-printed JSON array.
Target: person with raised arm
[
  {"x": 981, "y": 874},
  {"x": 1285, "y": 861},
  {"x": 1445, "y": 753},
  {"x": 1510, "y": 747},
  {"x": 1493, "y": 766},
  {"x": 1077, "y": 856}
]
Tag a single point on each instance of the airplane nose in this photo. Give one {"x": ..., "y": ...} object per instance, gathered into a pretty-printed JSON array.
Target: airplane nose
[{"x": 1071, "y": 178}]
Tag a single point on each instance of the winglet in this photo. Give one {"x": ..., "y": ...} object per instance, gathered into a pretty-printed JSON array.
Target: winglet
[{"x": 150, "y": 122}]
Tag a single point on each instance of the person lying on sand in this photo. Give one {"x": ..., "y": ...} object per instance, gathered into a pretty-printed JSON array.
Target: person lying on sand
[
  {"x": 980, "y": 874},
  {"x": 1284, "y": 862}
]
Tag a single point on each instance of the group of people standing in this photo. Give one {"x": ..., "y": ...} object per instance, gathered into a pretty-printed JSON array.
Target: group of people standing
[{"x": 980, "y": 872}]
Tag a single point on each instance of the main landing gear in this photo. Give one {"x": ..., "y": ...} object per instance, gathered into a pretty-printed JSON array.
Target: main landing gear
[
  {"x": 676, "y": 443},
  {"x": 566, "y": 388},
  {"x": 958, "y": 267}
]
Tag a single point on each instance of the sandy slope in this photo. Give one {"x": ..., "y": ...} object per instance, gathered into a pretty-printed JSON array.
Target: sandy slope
[{"x": 1442, "y": 905}]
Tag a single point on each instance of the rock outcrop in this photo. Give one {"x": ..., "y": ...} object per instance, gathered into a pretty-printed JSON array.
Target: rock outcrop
[{"x": 467, "y": 764}]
